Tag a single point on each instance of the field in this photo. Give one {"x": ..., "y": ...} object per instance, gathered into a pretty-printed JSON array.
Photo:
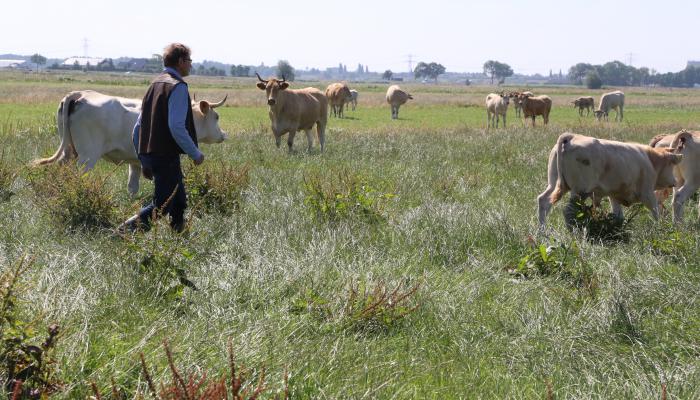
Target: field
[{"x": 433, "y": 210}]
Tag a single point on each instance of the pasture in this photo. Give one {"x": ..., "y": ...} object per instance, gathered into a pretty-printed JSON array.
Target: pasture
[{"x": 432, "y": 206}]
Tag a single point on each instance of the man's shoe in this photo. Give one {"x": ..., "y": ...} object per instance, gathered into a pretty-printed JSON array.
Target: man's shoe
[{"x": 131, "y": 225}]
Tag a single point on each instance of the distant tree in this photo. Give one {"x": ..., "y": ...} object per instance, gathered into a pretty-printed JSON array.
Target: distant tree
[
  {"x": 615, "y": 73},
  {"x": 497, "y": 70},
  {"x": 360, "y": 69},
  {"x": 387, "y": 75},
  {"x": 284, "y": 69},
  {"x": 240, "y": 70},
  {"x": 593, "y": 80},
  {"x": 366, "y": 69},
  {"x": 421, "y": 70},
  {"x": 579, "y": 71},
  {"x": 38, "y": 59}
]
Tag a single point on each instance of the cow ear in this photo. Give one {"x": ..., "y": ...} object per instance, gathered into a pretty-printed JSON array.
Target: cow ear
[
  {"x": 677, "y": 158},
  {"x": 204, "y": 107},
  {"x": 260, "y": 85},
  {"x": 284, "y": 85}
]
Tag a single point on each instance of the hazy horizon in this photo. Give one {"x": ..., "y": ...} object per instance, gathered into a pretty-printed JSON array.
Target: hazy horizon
[{"x": 532, "y": 37}]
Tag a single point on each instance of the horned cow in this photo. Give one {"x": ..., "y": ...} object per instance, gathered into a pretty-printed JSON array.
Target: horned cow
[
  {"x": 295, "y": 109},
  {"x": 93, "y": 125},
  {"x": 534, "y": 106}
]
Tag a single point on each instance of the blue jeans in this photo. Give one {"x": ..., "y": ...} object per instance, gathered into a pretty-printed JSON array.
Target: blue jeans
[{"x": 169, "y": 190}]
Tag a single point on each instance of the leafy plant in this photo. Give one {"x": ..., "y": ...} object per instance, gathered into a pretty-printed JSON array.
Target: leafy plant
[
  {"x": 217, "y": 188},
  {"x": 378, "y": 308},
  {"x": 28, "y": 367},
  {"x": 73, "y": 198},
  {"x": 313, "y": 303},
  {"x": 676, "y": 246},
  {"x": 560, "y": 261},
  {"x": 163, "y": 258},
  {"x": 342, "y": 197},
  {"x": 598, "y": 225}
]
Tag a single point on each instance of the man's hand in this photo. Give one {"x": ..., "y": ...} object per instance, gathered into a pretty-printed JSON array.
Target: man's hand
[
  {"x": 199, "y": 160},
  {"x": 147, "y": 173}
]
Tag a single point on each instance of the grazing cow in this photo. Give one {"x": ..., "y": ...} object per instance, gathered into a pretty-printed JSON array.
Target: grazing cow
[
  {"x": 295, "y": 109},
  {"x": 584, "y": 102},
  {"x": 687, "y": 172},
  {"x": 608, "y": 101},
  {"x": 516, "y": 101},
  {"x": 352, "y": 99},
  {"x": 496, "y": 105},
  {"x": 337, "y": 94},
  {"x": 93, "y": 125},
  {"x": 396, "y": 97},
  {"x": 625, "y": 172},
  {"x": 533, "y": 106}
]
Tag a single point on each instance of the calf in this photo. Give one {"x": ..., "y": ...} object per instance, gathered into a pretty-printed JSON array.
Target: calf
[
  {"x": 533, "y": 106},
  {"x": 516, "y": 101},
  {"x": 496, "y": 105},
  {"x": 625, "y": 172},
  {"x": 584, "y": 102},
  {"x": 352, "y": 99}
]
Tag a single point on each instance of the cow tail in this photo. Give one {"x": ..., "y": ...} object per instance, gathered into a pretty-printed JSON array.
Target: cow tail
[
  {"x": 656, "y": 139},
  {"x": 561, "y": 186},
  {"x": 63, "y": 125}
]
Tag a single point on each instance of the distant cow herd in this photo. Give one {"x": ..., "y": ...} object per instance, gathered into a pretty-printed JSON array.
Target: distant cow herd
[{"x": 92, "y": 125}]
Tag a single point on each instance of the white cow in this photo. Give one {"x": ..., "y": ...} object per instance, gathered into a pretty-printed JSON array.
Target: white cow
[
  {"x": 625, "y": 172},
  {"x": 496, "y": 105},
  {"x": 687, "y": 172},
  {"x": 396, "y": 97},
  {"x": 608, "y": 101},
  {"x": 93, "y": 125},
  {"x": 352, "y": 99}
]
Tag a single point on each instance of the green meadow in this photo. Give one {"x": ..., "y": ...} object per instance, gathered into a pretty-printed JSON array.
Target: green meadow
[{"x": 404, "y": 262}]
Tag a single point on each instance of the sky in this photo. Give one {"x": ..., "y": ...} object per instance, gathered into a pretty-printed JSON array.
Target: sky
[{"x": 532, "y": 36}]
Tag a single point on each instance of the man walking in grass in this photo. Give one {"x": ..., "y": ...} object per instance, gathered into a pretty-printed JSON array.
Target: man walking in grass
[{"x": 164, "y": 130}]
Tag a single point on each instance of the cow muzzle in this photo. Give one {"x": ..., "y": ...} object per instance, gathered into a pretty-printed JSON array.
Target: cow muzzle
[{"x": 270, "y": 102}]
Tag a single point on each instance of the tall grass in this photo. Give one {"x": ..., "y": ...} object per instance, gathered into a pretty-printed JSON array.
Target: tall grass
[{"x": 616, "y": 320}]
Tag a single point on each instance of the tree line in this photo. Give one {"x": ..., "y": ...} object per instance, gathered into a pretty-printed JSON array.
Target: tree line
[{"x": 616, "y": 73}]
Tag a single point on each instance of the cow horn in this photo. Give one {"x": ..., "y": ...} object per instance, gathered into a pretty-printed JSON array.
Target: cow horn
[
  {"x": 261, "y": 79},
  {"x": 194, "y": 96},
  {"x": 214, "y": 105},
  {"x": 283, "y": 79}
]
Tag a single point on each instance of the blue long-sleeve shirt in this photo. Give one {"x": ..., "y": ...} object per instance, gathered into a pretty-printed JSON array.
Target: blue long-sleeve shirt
[{"x": 177, "y": 113}]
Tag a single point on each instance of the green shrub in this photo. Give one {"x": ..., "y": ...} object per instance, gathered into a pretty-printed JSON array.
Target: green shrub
[
  {"x": 74, "y": 198},
  {"x": 675, "y": 246},
  {"x": 559, "y": 261},
  {"x": 343, "y": 196},
  {"x": 216, "y": 188},
  {"x": 596, "y": 224},
  {"x": 28, "y": 368},
  {"x": 593, "y": 80}
]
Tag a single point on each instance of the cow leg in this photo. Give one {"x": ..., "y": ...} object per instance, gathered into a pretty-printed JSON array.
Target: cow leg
[
  {"x": 309, "y": 139},
  {"x": 87, "y": 163},
  {"x": 504, "y": 120},
  {"x": 680, "y": 196},
  {"x": 533, "y": 121},
  {"x": 620, "y": 113},
  {"x": 290, "y": 140},
  {"x": 278, "y": 140},
  {"x": 544, "y": 200},
  {"x": 321, "y": 132},
  {"x": 134, "y": 176}
]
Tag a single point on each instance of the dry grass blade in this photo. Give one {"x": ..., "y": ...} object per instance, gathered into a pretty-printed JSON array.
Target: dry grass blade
[{"x": 147, "y": 375}]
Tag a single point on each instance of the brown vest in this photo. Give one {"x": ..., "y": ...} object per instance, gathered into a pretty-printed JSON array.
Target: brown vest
[{"x": 155, "y": 136}]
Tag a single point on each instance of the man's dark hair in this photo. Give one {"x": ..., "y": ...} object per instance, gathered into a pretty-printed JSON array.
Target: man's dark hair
[{"x": 174, "y": 52}]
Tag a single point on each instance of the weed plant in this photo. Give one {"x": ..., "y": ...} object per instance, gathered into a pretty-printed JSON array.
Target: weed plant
[
  {"x": 74, "y": 199},
  {"x": 7, "y": 178},
  {"x": 218, "y": 188}
]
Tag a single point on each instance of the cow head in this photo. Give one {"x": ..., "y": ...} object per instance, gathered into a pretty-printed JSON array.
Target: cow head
[
  {"x": 272, "y": 87},
  {"x": 522, "y": 97},
  {"x": 663, "y": 160},
  {"x": 600, "y": 114},
  {"x": 206, "y": 121},
  {"x": 576, "y": 103}
]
